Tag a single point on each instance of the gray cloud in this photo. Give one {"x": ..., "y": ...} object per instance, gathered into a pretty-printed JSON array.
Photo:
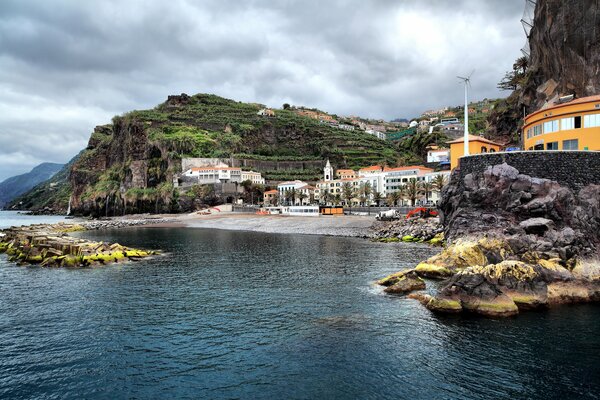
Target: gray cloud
[{"x": 66, "y": 66}]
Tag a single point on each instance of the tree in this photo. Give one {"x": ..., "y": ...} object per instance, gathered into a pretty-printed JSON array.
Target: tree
[
  {"x": 427, "y": 188},
  {"x": 302, "y": 196},
  {"x": 515, "y": 78},
  {"x": 439, "y": 181},
  {"x": 325, "y": 197},
  {"x": 290, "y": 196},
  {"x": 286, "y": 106},
  {"x": 347, "y": 193},
  {"x": 377, "y": 198},
  {"x": 337, "y": 199},
  {"x": 413, "y": 190},
  {"x": 366, "y": 191}
]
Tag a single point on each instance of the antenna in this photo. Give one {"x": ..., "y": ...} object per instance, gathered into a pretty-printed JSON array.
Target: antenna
[{"x": 467, "y": 83}]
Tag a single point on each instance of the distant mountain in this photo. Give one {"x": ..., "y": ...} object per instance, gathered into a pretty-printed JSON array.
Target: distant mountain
[
  {"x": 16, "y": 185},
  {"x": 51, "y": 194}
]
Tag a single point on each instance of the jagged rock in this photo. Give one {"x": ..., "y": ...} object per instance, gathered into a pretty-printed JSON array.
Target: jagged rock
[{"x": 407, "y": 282}]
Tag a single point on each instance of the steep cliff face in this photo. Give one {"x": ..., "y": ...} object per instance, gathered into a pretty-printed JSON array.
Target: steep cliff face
[{"x": 564, "y": 59}]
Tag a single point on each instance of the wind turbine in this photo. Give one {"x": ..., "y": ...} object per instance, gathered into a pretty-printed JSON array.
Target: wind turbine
[{"x": 467, "y": 82}]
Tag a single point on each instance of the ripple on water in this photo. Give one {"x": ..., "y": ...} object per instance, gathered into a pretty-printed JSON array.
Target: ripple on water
[{"x": 247, "y": 315}]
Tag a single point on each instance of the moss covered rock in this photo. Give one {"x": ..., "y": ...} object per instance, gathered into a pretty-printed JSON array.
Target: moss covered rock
[{"x": 406, "y": 283}]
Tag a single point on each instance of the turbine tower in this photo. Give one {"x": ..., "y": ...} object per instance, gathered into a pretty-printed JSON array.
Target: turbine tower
[{"x": 467, "y": 82}]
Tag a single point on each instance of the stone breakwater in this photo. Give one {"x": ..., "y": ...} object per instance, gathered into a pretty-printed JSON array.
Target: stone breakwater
[
  {"x": 122, "y": 223},
  {"x": 515, "y": 242},
  {"x": 50, "y": 245},
  {"x": 420, "y": 230}
]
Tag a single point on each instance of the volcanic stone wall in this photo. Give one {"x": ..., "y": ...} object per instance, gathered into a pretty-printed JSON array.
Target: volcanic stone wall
[{"x": 574, "y": 169}]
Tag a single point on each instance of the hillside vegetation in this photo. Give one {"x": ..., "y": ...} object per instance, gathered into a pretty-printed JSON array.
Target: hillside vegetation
[{"x": 129, "y": 165}]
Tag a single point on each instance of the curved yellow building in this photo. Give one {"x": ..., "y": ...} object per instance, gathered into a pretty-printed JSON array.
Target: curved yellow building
[{"x": 572, "y": 125}]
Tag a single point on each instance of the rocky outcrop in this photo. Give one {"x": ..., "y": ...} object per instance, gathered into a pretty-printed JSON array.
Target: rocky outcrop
[
  {"x": 51, "y": 246},
  {"x": 515, "y": 242},
  {"x": 420, "y": 230},
  {"x": 564, "y": 59},
  {"x": 533, "y": 214}
]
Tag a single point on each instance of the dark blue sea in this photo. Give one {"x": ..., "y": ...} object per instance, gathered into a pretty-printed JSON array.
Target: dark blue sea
[{"x": 240, "y": 315}]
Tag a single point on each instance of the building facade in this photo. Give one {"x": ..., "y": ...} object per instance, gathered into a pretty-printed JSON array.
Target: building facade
[
  {"x": 568, "y": 125},
  {"x": 477, "y": 145}
]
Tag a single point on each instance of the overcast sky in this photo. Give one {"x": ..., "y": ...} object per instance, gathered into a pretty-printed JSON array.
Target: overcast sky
[{"x": 67, "y": 66}]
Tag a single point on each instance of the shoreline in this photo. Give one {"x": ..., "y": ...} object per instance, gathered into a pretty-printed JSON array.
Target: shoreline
[{"x": 343, "y": 226}]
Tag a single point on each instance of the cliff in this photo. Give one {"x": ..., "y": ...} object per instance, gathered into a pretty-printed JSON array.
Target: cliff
[
  {"x": 564, "y": 59},
  {"x": 16, "y": 185},
  {"x": 128, "y": 165}
]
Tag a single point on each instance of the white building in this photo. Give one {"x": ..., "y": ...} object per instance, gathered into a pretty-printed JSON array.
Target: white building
[
  {"x": 208, "y": 175},
  {"x": 298, "y": 187},
  {"x": 254, "y": 177},
  {"x": 438, "y": 155}
]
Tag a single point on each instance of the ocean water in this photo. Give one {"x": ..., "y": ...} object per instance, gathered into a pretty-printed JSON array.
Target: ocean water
[{"x": 226, "y": 314}]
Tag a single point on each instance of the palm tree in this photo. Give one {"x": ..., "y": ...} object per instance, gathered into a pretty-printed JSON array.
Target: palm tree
[
  {"x": 325, "y": 196},
  {"x": 348, "y": 193},
  {"x": 427, "y": 188},
  {"x": 413, "y": 190},
  {"x": 301, "y": 196},
  {"x": 366, "y": 190},
  {"x": 290, "y": 196},
  {"x": 377, "y": 198},
  {"x": 439, "y": 181}
]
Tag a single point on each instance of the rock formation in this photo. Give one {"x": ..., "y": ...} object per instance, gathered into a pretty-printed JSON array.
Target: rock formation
[
  {"x": 564, "y": 59},
  {"x": 516, "y": 242},
  {"x": 51, "y": 246}
]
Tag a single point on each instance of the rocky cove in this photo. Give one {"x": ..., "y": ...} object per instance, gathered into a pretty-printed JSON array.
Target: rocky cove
[{"x": 513, "y": 242}]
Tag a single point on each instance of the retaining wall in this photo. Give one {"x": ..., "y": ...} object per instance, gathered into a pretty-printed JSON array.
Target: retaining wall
[{"x": 574, "y": 169}]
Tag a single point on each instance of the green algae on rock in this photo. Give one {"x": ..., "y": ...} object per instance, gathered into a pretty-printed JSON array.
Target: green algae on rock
[{"x": 49, "y": 245}]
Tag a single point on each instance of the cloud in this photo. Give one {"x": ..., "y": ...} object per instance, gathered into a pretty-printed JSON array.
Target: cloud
[{"x": 66, "y": 66}]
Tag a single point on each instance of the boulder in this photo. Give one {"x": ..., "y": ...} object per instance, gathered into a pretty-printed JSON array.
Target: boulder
[
  {"x": 408, "y": 282},
  {"x": 537, "y": 226}
]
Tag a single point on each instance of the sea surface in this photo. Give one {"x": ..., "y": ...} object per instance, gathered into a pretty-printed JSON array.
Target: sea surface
[{"x": 226, "y": 315}]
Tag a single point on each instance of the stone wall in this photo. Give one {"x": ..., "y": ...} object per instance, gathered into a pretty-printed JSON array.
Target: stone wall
[
  {"x": 264, "y": 165},
  {"x": 574, "y": 169}
]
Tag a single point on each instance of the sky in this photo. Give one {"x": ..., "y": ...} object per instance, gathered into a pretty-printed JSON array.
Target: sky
[{"x": 69, "y": 65}]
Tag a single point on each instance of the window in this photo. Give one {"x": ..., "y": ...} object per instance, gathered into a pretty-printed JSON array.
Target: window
[
  {"x": 571, "y": 144},
  {"x": 552, "y": 146},
  {"x": 591, "y": 121},
  {"x": 567, "y": 123},
  {"x": 537, "y": 130},
  {"x": 483, "y": 149},
  {"x": 492, "y": 150},
  {"x": 529, "y": 133},
  {"x": 551, "y": 126},
  {"x": 578, "y": 122}
]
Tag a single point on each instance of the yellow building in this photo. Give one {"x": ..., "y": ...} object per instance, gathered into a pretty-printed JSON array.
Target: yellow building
[
  {"x": 477, "y": 145},
  {"x": 571, "y": 125}
]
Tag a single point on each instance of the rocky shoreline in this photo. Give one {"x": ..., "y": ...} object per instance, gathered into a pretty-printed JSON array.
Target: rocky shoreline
[
  {"x": 515, "y": 243},
  {"x": 419, "y": 230},
  {"x": 50, "y": 245}
]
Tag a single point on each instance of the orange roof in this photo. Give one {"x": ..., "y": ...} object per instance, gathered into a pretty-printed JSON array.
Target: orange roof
[
  {"x": 408, "y": 168},
  {"x": 372, "y": 168},
  {"x": 589, "y": 99},
  {"x": 345, "y": 171},
  {"x": 273, "y": 191},
  {"x": 473, "y": 138},
  {"x": 308, "y": 187}
]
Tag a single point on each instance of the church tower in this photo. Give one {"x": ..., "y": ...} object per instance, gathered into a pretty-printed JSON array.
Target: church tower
[{"x": 328, "y": 172}]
